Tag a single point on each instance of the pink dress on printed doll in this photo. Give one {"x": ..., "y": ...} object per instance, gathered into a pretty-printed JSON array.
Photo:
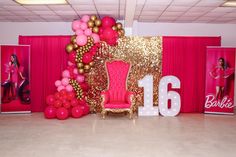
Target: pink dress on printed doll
[
  {"x": 14, "y": 72},
  {"x": 221, "y": 75}
]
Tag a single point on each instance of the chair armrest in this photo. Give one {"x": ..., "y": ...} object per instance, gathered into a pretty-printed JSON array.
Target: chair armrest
[
  {"x": 105, "y": 97},
  {"x": 129, "y": 97}
]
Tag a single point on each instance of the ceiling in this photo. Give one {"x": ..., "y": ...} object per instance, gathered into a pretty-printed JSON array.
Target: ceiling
[{"x": 178, "y": 11}]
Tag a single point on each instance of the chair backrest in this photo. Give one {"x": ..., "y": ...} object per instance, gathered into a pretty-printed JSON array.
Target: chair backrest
[{"x": 117, "y": 79}]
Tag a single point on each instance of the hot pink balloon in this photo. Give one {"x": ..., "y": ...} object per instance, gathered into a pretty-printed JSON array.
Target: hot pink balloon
[
  {"x": 76, "y": 25},
  {"x": 88, "y": 32},
  {"x": 69, "y": 88},
  {"x": 66, "y": 74},
  {"x": 50, "y": 112},
  {"x": 83, "y": 26},
  {"x": 75, "y": 71},
  {"x": 108, "y": 22},
  {"x": 70, "y": 63},
  {"x": 79, "y": 32},
  {"x": 57, "y": 83},
  {"x": 81, "y": 40},
  {"x": 85, "y": 18},
  {"x": 60, "y": 88},
  {"x": 87, "y": 58},
  {"x": 65, "y": 81},
  {"x": 80, "y": 78},
  {"x": 72, "y": 57},
  {"x": 95, "y": 37}
]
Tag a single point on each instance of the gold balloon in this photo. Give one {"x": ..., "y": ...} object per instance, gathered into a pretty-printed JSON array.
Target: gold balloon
[
  {"x": 90, "y": 24},
  {"x": 80, "y": 65},
  {"x": 73, "y": 39},
  {"x": 119, "y": 25},
  {"x": 91, "y": 64},
  {"x": 95, "y": 29},
  {"x": 81, "y": 71},
  {"x": 98, "y": 22},
  {"x": 75, "y": 46},
  {"x": 87, "y": 67},
  {"x": 114, "y": 28},
  {"x": 69, "y": 48},
  {"x": 122, "y": 31},
  {"x": 93, "y": 17}
]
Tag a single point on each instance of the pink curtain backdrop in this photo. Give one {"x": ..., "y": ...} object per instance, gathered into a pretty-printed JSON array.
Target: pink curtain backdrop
[
  {"x": 48, "y": 59},
  {"x": 185, "y": 57}
]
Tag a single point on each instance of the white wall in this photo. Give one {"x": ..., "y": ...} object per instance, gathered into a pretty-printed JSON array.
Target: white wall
[{"x": 9, "y": 31}]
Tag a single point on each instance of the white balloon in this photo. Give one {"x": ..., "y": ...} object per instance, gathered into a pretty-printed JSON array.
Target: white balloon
[
  {"x": 165, "y": 95},
  {"x": 148, "y": 109}
]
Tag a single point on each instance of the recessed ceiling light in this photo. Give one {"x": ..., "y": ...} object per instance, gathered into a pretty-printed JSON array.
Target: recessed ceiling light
[
  {"x": 35, "y": 2},
  {"x": 230, "y": 3}
]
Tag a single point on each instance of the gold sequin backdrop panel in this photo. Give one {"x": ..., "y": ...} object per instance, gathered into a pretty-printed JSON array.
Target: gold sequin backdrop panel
[{"x": 145, "y": 55}]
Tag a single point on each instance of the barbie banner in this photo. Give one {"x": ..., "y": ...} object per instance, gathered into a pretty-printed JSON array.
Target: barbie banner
[
  {"x": 219, "y": 89},
  {"x": 15, "y": 78}
]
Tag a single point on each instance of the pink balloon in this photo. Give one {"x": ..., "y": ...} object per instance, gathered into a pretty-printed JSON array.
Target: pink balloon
[
  {"x": 87, "y": 58},
  {"x": 75, "y": 71},
  {"x": 77, "y": 112},
  {"x": 69, "y": 88},
  {"x": 96, "y": 38},
  {"x": 76, "y": 25},
  {"x": 80, "y": 78},
  {"x": 79, "y": 32},
  {"x": 88, "y": 32},
  {"x": 50, "y": 112},
  {"x": 81, "y": 40},
  {"x": 65, "y": 81},
  {"x": 85, "y": 18},
  {"x": 108, "y": 22},
  {"x": 57, "y": 83},
  {"x": 70, "y": 63},
  {"x": 60, "y": 88},
  {"x": 83, "y": 26},
  {"x": 66, "y": 74}
]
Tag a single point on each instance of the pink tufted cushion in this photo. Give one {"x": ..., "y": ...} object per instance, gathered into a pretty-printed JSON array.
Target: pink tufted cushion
[
  {"x": 117, "y": 105},
  {"x": 117, "y": 73}
]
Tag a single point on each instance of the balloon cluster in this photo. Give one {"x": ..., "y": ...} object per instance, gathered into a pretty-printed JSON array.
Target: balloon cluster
[
  {"x": 84, "y": 44},
  {"x": 63, "y": 104}
]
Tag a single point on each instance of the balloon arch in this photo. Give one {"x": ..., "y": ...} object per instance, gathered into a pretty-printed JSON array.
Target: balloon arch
[{"x": 90, "y": 32}]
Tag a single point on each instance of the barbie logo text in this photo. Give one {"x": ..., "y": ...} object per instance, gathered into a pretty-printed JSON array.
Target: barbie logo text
[{"x": 211, "y": 101}]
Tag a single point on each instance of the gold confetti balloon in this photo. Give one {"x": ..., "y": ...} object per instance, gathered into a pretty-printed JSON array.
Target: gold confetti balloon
[
  {"x": 95, "y": 29},
  {"x": 98, "y": 22},
  {"x": 114, "y": 28},
  {"x": 90, "y": 24},
  {"x": 80, "y": 65},
  {"x": 69, "y": 48},
  {"x": 93, "y": 17},
  {"x": 119, "y": 25},
  {"x": 87, "y": 67}
]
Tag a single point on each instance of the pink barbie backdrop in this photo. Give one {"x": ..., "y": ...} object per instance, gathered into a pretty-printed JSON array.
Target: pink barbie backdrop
[
  {"x": 15, "y": 78},
  {"x": 219, "y": 93}
]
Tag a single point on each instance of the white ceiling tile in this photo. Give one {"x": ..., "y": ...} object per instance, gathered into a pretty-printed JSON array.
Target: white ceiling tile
[
  {"x": 107, "y": 7},
  {"x": 167, "y": 18},
  {"x": 184, "y": 18},
  {"x": 201, "y": 9},
  {"x": 184, "y": 2},
  {"x": 83, "y": 12},
  {"x": 206, "y": 18},
  {"x": 223, "y": 9},
  {"x": 37, "y": 7},
  {"x": 87, "y": 2},
  {"x": 193, "y": 13},
  {"x": 155, "y": 7},
  {"x": 175, "y": 14},
  {"x": 37, "y": 20},
  {"x": 44, "y": 12},
  {"x": 151, "y": 13},
  {"x": 2, "y": 13},
  {"x": 230, "y": 15},
  {"x": 72, "y": 12},
  {"x": 8, "y": 2},
  {"x": 84, "y": 7},
  {"x": 178, "y": 8},
  {"x": 23, "y": 12},
  {"x": 213, "y": 3},
  {"x": 106, "y": 2},
  {"x": 146, "y": 20},
  {"x": 51, "y": 17},
  {"x": 158, "y": 2},
  {"x": 140, "y": 2},
  {"x": 214, "y": 14},
  {"x": 13, "y": 7},
  {"x": 60, "y": 7},
  {"x": 148, "y": 17}
]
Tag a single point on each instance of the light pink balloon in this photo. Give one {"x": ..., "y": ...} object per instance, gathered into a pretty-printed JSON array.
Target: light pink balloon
[
  {"x": 81, "y": 40},
  {"x": 58, "y": 83},
  {"x": 79, "y": 32},
  {"x": 75, "y": 71},
  {"x": 80, "y": 78},
  {"x": 76, "y": 25},
  {"x": 60, "y": 88},
  {"x": 96, "y": 38},
  {"x": 83, "y": 26},
  {"x": 70, "y": 63},
  {"x": 85, "y": 18},
  {"x": 66, "y": 74},
  {"x": 65, "y": 81},
  {"x": 88, "y": 32},
  {"x": 69, "y": 88}
]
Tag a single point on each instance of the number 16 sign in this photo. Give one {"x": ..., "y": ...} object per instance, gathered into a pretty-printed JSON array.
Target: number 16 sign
[{"x": 164, "y": 95}]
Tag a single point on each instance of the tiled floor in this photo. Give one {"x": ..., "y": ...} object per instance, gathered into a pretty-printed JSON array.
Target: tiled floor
[{"x": 187, "y": 135}]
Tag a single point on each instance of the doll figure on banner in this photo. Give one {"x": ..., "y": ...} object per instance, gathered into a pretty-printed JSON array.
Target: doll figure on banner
[
  {"x": 15, "y": 82},
  {"x": 220, "y": 73}
]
